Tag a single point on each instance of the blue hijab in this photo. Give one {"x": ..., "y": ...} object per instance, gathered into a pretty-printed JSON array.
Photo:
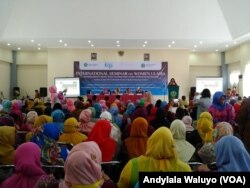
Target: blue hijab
[
  {"x": 231, "y": 155},
  {"x": 216, "y": 100},
  {"x": 47, "y": 141}
]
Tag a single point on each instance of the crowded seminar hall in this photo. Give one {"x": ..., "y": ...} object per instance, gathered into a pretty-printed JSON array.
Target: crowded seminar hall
[{"x": 95, "y": 93}]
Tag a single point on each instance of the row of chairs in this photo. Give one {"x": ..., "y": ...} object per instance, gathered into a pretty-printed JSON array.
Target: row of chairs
[{"x": 111, "y": 168}]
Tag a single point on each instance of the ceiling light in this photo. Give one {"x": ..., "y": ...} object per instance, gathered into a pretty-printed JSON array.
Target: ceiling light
[
  {"x": 201, "y": 42},
  {"x": 145, "y": 42},
  {"x": 65, "y": 44},
  {"x": 216, "y": 50},
  {"x": 89, "y": 41},
  {"x": 226, "y": 45},
  {"x": 118, "y": 42},
  {"x": 8, "y": 44},
  {"x": 60, "y": 41},
  {"x": 92, "y": 45},
  {"x": 18, "y": 48},
  {"x": 169, "y": 45},
  {"x": 143, "y": 45},
  {"x": 39, "y": 48},
  {"x": 38, "y": 44},
  {"x": 31, "y": 40},
  {"x": 173, "y": 42},
  {"x": 118, "y": 45},
  {"x": 195, "y": 46}
]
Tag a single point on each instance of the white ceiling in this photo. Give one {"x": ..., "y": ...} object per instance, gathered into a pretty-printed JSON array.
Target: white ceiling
[{"x": 216, "y": 23}]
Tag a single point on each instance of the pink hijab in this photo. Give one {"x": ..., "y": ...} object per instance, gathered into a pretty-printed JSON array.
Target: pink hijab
[
  {"x": 83, "y": 166},
  {"x": 86, "y": 125},
  {"x": 28, "y": 168}
]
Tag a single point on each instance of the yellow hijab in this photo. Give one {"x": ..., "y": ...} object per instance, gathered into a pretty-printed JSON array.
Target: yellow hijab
[
  {"x": 161, "y": 156},
  {"x": 205, "y": 127},
  {"x": 71, "y": 133},
  {"x": 38, "y": 123},
  {"x": 7, "y": 141}
]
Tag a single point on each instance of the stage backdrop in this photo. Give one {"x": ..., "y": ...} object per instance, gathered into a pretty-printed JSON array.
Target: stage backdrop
[{"x": 96, "y": 76}]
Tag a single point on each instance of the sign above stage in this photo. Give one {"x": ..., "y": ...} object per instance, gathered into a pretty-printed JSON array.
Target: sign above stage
[
  {"x": 97, "y": 76},
  {"x": 120, "y": 65}
]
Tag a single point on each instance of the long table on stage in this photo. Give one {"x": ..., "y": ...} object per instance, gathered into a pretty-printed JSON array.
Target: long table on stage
[{"x": 124, "y": 97}]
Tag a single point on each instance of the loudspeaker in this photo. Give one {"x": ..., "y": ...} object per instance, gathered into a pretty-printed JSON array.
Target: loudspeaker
[
  {"x": 43, "y": 91},
  {"x": 16, "y": 91},
  {"x": 240, "y": 76}
]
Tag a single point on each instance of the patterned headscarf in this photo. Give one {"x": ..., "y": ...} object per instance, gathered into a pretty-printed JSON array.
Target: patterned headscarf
[
  {"x": 47, "y": 141},
  {"x": 222, "y": 129},
  {"x": 83, "y": 166},
  {"x": 86, "y": 124}
]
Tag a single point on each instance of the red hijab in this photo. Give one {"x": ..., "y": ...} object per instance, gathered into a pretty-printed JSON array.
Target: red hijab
[{"x": 101, "y": 135}]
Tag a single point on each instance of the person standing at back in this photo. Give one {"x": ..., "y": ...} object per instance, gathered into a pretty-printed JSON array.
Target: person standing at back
[
  {"x": 221, "y": 110},
  {"x": 203, "y": 102}
]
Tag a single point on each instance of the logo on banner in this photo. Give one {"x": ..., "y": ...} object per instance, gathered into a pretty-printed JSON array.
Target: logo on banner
[
  {"x": 173, "y": 94},
  {"x": 108, "y": 65}
]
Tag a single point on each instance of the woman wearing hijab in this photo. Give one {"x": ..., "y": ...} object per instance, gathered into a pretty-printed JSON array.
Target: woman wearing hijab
[
  {"x": 7, "y": 142},
  {"x": 184, "y": 149},
  {"x": 231, "y": 155},
  {"x": 205, "y": 127},
  {"x": 70, "y": 134},
  {"x": 135, "y": 144},
  {"x": 86, "y": 123},
  {"x": 207, "y": 151},
  {"x": 101, "y": 135},
  {"x": 47, "y": 139},
  {"x": 37, "y": 126},
  {"x": 58, "y": 117},
  {"x": 83, "y": 168},
  {"x": 203, "y": 132},
  {"x": 160, "y": 156},
  {"x": 28, "y": 169},
  {"x": 221, "y": 110}
]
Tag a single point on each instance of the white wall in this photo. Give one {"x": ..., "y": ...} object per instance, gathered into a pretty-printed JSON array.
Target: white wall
[
  {"x": 31, "y": 77},
  {"x": 32, "y": 71},
  {"x": 5, "y": 78},
  {"x": 239, "y": 57},
  {"x": 5, "y": 64},
  {"x": 38, "y": 69}
]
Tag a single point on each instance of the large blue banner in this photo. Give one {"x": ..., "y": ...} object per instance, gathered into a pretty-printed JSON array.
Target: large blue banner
[{"x": 97, "y": 76}]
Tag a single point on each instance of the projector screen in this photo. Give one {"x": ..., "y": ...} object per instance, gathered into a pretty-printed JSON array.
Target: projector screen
[
  {"x": 72, "y": 84},
  {"x": 212, "y": 83}
]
